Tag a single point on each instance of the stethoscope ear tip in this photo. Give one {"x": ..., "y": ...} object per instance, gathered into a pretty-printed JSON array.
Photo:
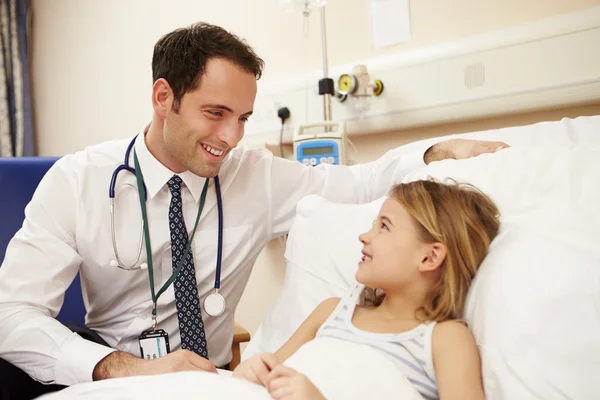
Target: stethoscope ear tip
[
  {"x": 114, "y": 263},
  {"x": 144, "y": 266}
]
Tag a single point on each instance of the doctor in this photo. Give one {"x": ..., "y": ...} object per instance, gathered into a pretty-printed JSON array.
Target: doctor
[{"x": 191, "y": 182}]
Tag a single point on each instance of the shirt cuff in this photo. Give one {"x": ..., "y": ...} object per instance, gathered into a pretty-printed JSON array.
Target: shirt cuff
[
  {"x": 412, "y": 161},
  {"x": 77, "y": 360}
]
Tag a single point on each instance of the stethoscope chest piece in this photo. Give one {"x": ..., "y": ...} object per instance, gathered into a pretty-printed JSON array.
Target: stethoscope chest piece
[{"x": 214, "y": 304}]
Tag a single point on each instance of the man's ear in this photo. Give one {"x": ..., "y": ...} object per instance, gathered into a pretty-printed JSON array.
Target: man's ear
[
  {"x": 162, "y": 97},
  {"x": 433, "y": 257}
]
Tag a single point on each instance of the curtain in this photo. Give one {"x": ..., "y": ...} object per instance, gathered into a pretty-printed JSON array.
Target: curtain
[{"x": 16, "y": 123}]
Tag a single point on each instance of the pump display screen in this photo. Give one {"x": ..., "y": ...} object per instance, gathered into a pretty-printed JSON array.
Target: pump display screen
[{"x": 312, "y": 151}]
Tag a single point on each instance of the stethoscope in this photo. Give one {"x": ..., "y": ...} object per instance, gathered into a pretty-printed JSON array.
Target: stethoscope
[{"x": 214, "y": 303}]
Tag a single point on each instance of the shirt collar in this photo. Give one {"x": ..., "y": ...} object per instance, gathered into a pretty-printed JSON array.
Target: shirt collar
[{"x": 156, "y": 175}]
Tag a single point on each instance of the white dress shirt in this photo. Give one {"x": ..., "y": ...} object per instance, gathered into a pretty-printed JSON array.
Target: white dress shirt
[{"x": 67, "y": 229}]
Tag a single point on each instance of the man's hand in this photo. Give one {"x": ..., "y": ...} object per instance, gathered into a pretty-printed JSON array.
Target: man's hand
[
  {"x": 119, "y": 364},
  {"x": 287, "y": 384},
  {"x": 256, "y": 369},
  {"x": 460, "y": 149}
]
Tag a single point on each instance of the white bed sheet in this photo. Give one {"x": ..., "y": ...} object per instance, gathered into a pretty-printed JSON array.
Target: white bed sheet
[{"x": 180, "y": 386}]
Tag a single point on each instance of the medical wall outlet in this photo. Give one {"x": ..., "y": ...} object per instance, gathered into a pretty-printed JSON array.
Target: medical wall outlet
[
  {"x": 359, "y": 87},
  {"x": 321, "y": 143}
]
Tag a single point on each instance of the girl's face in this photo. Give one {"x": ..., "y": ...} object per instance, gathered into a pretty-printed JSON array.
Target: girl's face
[{"x": 392, "y": 252}]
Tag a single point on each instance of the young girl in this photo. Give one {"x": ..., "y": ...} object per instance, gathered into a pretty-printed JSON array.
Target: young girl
[{"x": 422, "y": 252}]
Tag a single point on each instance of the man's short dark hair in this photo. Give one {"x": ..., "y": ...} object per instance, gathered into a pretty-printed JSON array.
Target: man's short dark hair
[{"x": 180, "y": 56}]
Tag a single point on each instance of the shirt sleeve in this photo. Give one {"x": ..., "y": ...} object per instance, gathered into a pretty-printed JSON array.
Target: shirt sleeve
[
  {"x": 40, "y": 263},
  {"x": 291, "y": 181}
]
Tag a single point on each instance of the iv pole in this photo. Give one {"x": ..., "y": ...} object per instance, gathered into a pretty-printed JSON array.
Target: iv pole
[{"x": 326, "y": 86}]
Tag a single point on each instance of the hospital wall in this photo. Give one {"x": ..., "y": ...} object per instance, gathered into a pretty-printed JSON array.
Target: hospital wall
[{"x": 91, "y": 71}]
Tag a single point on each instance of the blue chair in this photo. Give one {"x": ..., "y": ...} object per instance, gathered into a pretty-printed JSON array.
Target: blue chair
[{"x": 19, "y": 177}]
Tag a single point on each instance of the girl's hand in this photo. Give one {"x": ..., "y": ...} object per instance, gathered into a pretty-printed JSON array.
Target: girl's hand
[
  {"x": 286, "y": 384},
  {"x": 256, "y": 369}
]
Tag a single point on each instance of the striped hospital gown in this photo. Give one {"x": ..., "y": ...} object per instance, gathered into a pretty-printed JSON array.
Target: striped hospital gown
[{"x": 410, "y": 351}]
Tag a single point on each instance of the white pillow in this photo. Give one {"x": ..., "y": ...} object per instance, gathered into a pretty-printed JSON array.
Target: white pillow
[
  {"x": 322, "y": 255},
  {"x": 534, "y": 308}
]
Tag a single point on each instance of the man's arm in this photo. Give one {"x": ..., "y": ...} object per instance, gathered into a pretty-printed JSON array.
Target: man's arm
[
  {"x": 437, "y": 152},
  {"x": 460, "y": 149},
  {"x": 120, "y": 364},
  {"x": 116, "y": 365},
  {"x": 456, "y": 361},
  {"x": 290, "y": 180},
  {"x": 39, "y": 265}
]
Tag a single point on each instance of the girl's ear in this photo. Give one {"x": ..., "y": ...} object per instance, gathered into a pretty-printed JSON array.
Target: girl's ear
[{"x": 433, "y": 257}]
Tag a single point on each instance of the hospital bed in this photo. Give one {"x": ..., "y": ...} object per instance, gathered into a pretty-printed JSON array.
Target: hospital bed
[{"x": 534, "y": 307}]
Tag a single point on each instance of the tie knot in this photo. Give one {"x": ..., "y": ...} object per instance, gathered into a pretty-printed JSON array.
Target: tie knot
[{"x": 175, "y": 184}]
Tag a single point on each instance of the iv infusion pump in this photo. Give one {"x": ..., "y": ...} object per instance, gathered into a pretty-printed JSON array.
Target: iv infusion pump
[{"x": 321, "y": 143}]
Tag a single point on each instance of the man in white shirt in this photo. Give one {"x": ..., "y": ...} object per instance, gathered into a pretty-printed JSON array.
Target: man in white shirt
[{"x": 203, "y": 93}]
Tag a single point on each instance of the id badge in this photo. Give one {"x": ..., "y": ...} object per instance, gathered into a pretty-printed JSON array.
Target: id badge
[{"x": 154, "y": 344}]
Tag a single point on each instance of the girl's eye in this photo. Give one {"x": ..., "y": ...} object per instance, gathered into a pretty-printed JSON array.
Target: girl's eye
[{"x": 384, "y": 226}]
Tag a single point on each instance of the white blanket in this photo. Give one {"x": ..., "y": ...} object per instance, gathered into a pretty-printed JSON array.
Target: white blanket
[
  {"x": 180, "y": 386},
  {"x": 347, "y": 371},
  {"x": 341, "y": 370}
]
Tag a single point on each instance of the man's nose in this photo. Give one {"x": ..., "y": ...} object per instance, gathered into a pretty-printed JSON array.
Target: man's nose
[{"x": 231, "y": 134}]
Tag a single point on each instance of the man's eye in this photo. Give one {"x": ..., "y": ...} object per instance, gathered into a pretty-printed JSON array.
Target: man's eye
[{"x": 216, "y": 113}]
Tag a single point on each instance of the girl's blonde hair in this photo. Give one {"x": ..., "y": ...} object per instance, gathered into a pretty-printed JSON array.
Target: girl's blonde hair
[{"x": 465, "y": 221}]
